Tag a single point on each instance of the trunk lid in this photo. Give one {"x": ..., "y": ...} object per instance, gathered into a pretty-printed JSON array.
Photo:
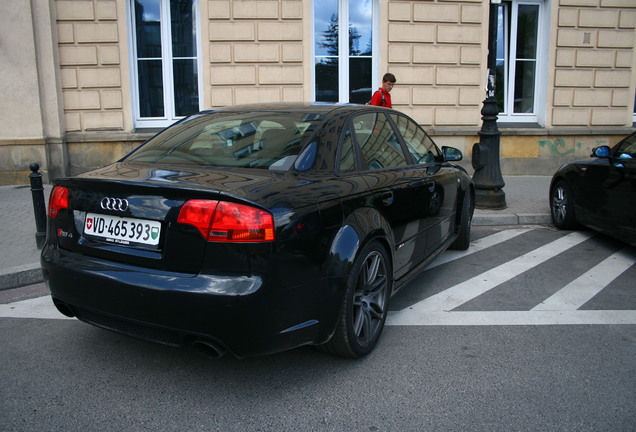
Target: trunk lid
[{"x": 128, "y": 212}]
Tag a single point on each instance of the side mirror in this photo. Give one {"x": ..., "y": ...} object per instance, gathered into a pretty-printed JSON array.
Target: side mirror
[
  {"x": 601, "y": 152},
  {"x": 451, "y": 154}
]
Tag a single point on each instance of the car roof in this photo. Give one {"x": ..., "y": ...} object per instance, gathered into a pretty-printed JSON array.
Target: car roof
[{"x": 308, "y": 107}]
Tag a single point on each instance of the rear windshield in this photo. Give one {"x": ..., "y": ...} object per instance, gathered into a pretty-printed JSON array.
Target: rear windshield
[{"x": 251, "y": 140}]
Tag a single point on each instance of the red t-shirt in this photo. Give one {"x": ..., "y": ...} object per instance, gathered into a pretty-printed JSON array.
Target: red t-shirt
[{"x": 376, "y": 99}]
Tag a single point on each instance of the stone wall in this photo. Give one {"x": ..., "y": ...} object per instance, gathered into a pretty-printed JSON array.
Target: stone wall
[
  {"x": 93, "y": 65},
  {"x": 437, "y": 51},
  {"x": 594, "y": 63},
  {"x": 258, "y": 51}
]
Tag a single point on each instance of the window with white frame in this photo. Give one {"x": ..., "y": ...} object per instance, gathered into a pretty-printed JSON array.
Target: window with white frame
[
  {"x": 165, "y": 62},
  {"x": 520, "y": 60},
  {"x": 345, "y": 67}
]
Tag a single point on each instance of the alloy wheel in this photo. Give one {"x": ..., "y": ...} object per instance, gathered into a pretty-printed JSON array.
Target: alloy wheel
[
  {"x": 559, "y": 204},
  {"x": 370, "y": 298}
]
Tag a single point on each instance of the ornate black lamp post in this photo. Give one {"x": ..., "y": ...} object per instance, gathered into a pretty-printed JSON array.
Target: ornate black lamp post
[{"x": 488, "y": 181}]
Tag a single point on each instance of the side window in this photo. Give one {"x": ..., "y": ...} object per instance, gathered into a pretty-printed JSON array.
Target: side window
[
  {"x": 378, "y": 142},
  {"x": 347, "y": 157},
  {"x": 627, "y": 150},
  {"x": 422, "y": 148},
  {"x": 634, "y": 118}
]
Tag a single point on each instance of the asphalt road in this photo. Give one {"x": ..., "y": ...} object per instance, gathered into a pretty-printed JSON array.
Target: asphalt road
[{"x": 533, "y": 329}]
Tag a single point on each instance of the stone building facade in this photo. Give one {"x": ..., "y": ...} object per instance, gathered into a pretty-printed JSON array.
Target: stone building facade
[{"x": 75, "y": 76}]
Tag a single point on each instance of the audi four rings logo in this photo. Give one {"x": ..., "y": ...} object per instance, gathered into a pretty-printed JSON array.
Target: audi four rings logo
[{"x": 118, "y": 204}]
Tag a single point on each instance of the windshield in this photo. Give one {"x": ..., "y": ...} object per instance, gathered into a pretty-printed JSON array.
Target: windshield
[{"x": 252, "y": 140}]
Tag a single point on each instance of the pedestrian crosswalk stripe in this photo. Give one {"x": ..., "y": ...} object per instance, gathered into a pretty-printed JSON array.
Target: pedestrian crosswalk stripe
[
  {"x": 581, "y": 290},
  {"x": 514, "y": 318},
  {"x": 478, "y": 245},
  {"x": 457, "y": 295},
  {"x": 40, "y": 307}
]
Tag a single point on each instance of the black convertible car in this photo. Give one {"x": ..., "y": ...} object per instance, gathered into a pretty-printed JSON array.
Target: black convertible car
[
  {"x": 599, "y": 193},
  {"x": 256, "y": 229}
]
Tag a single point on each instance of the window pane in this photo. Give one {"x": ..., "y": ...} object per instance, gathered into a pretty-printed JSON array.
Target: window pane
[
  {"x": 360, "y": 80},
  {"x": 627, "y": 149},
  {"x": 150, "y": 88},
  {"x": 421, "y": 146},
  {"x": 166, "y": 60},
  {"x": 528, "y": 21},
  {"x": 360, "y": 26},
  {"x": 378, "y": 142},
  {"x": 186, "y": 92},
  {"x": 148, "y": 28},
  {"x": 524, "y": 86},
  {"x": 183, "y": 28},
  {"x": 516, "y": 69},
  {"x": 326, "y": 27},
  {"x": 501, "y": 83},
  {"x": 501, "y": 31},
  {"x": 351, "y": 72},
  {"x": 327, "y": 79}
]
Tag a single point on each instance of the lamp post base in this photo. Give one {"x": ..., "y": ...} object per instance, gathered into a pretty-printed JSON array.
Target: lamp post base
[{"x": 493, "y": 199}]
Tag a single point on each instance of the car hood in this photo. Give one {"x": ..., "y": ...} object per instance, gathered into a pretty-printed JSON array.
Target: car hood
[{"x": 581, "y": 163}]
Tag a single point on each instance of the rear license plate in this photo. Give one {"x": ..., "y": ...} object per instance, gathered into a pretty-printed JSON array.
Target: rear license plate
[{"x": 121, "y": 230}]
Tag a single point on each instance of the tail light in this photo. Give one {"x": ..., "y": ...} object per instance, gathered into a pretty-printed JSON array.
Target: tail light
[
  {"x": 58, "y": 200},
  {"x": 223, "y": 221}
]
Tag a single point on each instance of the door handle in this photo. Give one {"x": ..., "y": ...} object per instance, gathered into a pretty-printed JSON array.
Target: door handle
[{"x": 387, "y": 198}]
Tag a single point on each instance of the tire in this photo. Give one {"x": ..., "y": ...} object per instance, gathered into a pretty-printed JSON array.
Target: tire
[
  {"x": 365, "y": 304},
  {"x": 465, "y": 219},
  {"x": 562, "y": 206}
]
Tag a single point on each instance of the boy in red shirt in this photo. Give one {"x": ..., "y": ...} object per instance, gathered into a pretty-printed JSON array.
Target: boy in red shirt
[{"x": 382, "y": 96}]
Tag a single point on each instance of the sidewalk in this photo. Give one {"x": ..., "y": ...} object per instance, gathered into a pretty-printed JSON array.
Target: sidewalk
[{"x": 526, "y": 198}]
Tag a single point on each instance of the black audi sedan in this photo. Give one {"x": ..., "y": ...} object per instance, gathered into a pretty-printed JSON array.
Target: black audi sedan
[
  {"x": 255, "y": 229},
  {"x": 599, "y": 193}
]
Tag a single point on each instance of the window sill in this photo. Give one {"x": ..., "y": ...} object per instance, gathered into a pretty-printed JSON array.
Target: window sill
[
  {"x": 135, "y": 136},
  {"x": 513, "y": 125},
  {"x": 529, "y": 129}
]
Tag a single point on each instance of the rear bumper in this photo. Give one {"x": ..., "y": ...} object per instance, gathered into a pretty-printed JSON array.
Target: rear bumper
[{"x": 245, "y": 315}]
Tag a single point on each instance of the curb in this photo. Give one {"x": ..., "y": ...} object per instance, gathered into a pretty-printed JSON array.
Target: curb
[
  {"x": 491, "y": 218},
  {"x": 18, "y": 276}
]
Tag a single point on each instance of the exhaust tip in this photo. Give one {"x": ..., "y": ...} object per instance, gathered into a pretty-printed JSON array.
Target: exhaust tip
[
  {"x": 63, "y": 308},
  {"x": 209, "y": 349}
]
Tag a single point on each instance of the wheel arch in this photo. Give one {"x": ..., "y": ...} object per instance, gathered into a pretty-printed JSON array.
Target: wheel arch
[
  {"x": 357, "y": 230},
  {"x": 555, "y": 179},
  {"x": 468, "y": 188},
  {"x": 345, "y": 337}
]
